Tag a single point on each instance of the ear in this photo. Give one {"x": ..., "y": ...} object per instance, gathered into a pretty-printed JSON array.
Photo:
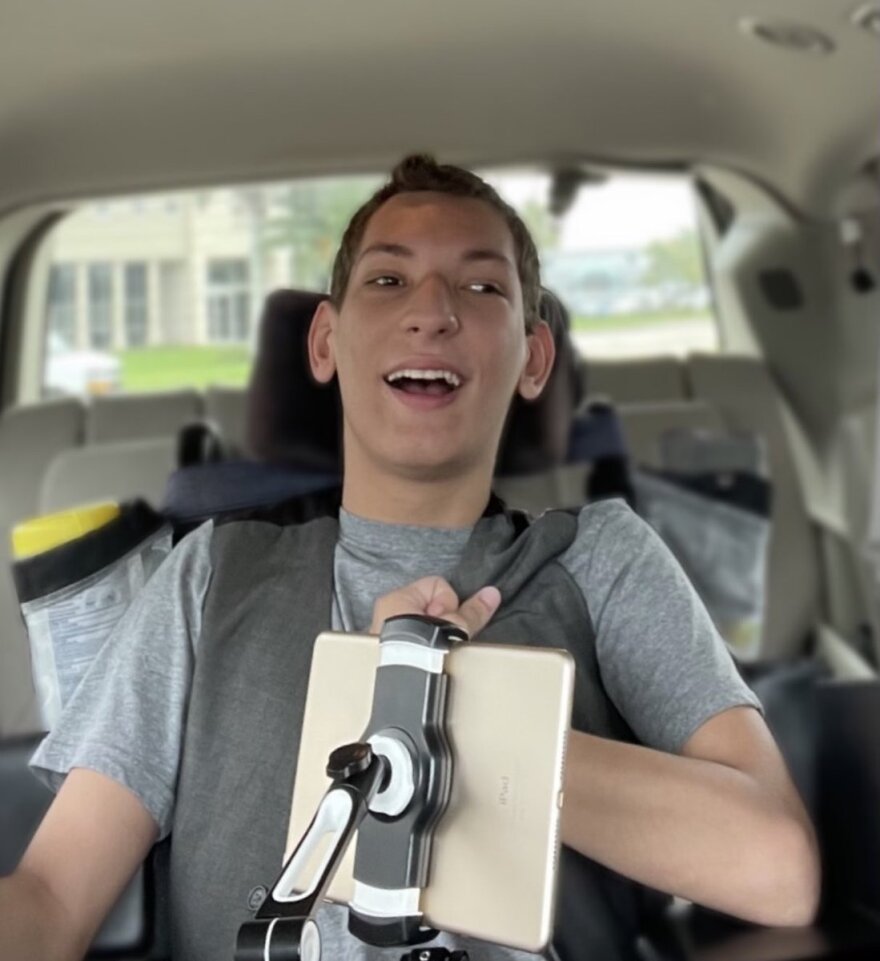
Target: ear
[
  {"x": 322, "y": 358},
  {"x": 539, "y": 362}
]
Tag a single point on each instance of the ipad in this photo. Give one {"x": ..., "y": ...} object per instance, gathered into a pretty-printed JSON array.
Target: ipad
[{"x": 495, "y": 853}]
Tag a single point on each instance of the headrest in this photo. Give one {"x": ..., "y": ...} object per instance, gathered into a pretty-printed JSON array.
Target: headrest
[
  {"x": 293, "y": 420},
  {"x": 537, "y": 433}
]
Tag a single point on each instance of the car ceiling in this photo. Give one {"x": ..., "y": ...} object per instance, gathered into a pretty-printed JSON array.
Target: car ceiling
[{"x": 110, "y": 96}]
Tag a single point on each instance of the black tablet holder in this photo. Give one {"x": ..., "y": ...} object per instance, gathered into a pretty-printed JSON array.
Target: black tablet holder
[{"x": 391, "y": 788}]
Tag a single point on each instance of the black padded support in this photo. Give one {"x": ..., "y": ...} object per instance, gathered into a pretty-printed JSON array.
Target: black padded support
[
  {"x": 23, "y": 800},
  {"x": 291, "y": 419},
  {"x": 849, "y": 816},
  {"x": 536, "y": 436}
]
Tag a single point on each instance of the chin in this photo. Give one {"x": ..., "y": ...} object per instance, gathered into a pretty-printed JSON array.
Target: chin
[{"x": 432, "y": 464}]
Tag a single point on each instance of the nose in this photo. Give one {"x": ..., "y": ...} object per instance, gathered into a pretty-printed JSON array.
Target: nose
[{"x": 431, "y": 308}]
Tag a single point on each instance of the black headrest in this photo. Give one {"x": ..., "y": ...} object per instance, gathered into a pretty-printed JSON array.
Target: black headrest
[
  {"x": 295, "y": 421},
  {"x": 291, "y": 418},
  {"x": 537, "y": 433}
]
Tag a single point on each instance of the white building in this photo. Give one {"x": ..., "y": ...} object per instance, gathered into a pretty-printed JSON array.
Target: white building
[{"x": 184, "y": 269}]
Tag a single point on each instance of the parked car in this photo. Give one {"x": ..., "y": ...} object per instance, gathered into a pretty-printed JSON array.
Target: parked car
[{"x": 79, "y": 373}]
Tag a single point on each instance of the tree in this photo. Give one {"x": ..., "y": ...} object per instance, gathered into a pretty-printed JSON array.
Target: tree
[
  {"x": 543, "y": 226},
  {"x": 674, "y": 261},
  {"x": 308, "y": 219}
]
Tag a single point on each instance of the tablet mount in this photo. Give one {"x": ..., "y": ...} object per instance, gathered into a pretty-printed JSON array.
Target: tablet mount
[{"x": 391, "y": 788}]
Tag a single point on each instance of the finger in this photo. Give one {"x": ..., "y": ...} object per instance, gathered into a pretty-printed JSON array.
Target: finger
[
  {"x": 442, "y": 600},
  {"x": 476, "y": 612},
  {"x": 429, "y": 595}
]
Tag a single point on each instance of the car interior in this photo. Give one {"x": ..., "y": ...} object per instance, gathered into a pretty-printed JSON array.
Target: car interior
[{"x": 766, "y": 114}]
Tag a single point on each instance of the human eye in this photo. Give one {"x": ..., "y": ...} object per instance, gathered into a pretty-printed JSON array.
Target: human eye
[
  {"x": 486, "y": 287},
  {"x": 383, "y": 280}
]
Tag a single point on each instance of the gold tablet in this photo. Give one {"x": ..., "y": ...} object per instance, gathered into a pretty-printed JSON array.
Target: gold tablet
[{"x": 496, "y": 849}]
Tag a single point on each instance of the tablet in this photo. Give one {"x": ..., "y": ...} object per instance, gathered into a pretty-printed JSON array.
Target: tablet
[{"x": 495, "y": 853}]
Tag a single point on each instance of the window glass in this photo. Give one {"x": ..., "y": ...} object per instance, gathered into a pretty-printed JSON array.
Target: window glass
[
  {"x": 164, "y": 292},
  {"x": 626, "y": 261},
  {"x": 62, "y": 305},
  {"x": 136, "y": 304},
  {"x": 100, "y": 305},
  {"x": 229, "y": 301}
]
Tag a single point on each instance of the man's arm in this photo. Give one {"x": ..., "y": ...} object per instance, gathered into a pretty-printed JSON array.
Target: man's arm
[
  {"x": 721, "y": 824},
  {"x": 90, "y": 843}
]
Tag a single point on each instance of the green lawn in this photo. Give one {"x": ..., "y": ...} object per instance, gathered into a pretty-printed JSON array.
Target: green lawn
[
  {"x": 164, "y": 368},
  {"x": 639, "y": 320}
]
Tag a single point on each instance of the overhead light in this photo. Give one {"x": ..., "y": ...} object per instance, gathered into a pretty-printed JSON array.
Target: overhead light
[
  {"x": 867, "y": 16},
  {"x": 797, "y": 37}
]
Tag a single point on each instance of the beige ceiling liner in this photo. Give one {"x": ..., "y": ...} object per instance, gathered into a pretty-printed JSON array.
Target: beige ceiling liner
[{"x": 105, "y": 96}]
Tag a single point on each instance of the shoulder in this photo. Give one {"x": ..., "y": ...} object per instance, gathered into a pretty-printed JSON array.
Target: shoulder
[
  {"x": 196, "y": 539},
  {"x": 193, "y": 549},
  {"x": 607, "y": 525},
  {"x": 617, "y": 558},
  {"x": 180, "y": 579},
  {"x": 191, "y": 552},
  {"x": 614, "y": 512}
]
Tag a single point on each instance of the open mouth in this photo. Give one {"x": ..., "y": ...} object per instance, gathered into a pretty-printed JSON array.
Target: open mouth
[{"x": 424, "y": 383}]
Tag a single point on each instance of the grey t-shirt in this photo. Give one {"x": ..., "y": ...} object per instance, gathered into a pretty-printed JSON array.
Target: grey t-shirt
[{"x": 661, "y": 660}]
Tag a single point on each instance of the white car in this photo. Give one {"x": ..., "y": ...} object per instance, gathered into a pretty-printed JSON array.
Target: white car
[{"x": 80, "y": 372}]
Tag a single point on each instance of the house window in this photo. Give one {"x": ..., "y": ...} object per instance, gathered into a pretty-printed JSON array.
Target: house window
[
  {"x": 100, "y": 289},
  {"x": 62, "y": 305},
  {"x": 229, "y": 300},
  {"x": 136, "y": 304}
]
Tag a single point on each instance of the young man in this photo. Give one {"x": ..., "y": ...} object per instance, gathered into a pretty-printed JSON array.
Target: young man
[{"x": 190, "y": 717}]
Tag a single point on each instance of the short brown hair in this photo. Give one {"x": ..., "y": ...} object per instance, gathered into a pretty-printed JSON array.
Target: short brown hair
[{"x": 419, "y": 172}]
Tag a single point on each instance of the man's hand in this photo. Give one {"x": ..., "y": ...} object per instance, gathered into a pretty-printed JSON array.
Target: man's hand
[{"x": 435, "y": 597}]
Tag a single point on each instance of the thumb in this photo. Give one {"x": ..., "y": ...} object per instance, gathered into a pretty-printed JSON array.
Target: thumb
[{"x": 478, "y": 609}]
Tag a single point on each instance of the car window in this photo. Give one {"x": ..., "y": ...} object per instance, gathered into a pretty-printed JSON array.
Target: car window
[
  {"x": 626, "y": 261},
  {"x": 160, "y": 292}
]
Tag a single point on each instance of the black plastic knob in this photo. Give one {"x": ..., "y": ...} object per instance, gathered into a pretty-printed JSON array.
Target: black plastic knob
[{"x": 348, "y": 760}]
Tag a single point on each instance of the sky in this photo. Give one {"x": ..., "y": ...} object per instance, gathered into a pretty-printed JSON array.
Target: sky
[{"x": 625, "y": 212}]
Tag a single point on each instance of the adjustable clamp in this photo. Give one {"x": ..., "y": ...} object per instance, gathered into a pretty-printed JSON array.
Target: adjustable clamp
[
  {"x": 407, "y": 728},
  {"x": 401, "y": 776},
  {"x": 283, "y": 928}
]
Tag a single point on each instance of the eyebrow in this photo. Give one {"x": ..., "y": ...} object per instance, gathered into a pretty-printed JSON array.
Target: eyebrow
[{"x": 470, "y": 256}]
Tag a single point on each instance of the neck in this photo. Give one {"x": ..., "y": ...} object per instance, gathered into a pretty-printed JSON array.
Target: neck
[{"x": 445, "y": 502}]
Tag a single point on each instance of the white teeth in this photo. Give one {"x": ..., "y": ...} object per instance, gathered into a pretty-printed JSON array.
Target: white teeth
[{"x": 452, "y": 379}]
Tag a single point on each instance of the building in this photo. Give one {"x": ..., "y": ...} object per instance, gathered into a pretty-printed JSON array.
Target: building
[{"x": 180, "y": 269}]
